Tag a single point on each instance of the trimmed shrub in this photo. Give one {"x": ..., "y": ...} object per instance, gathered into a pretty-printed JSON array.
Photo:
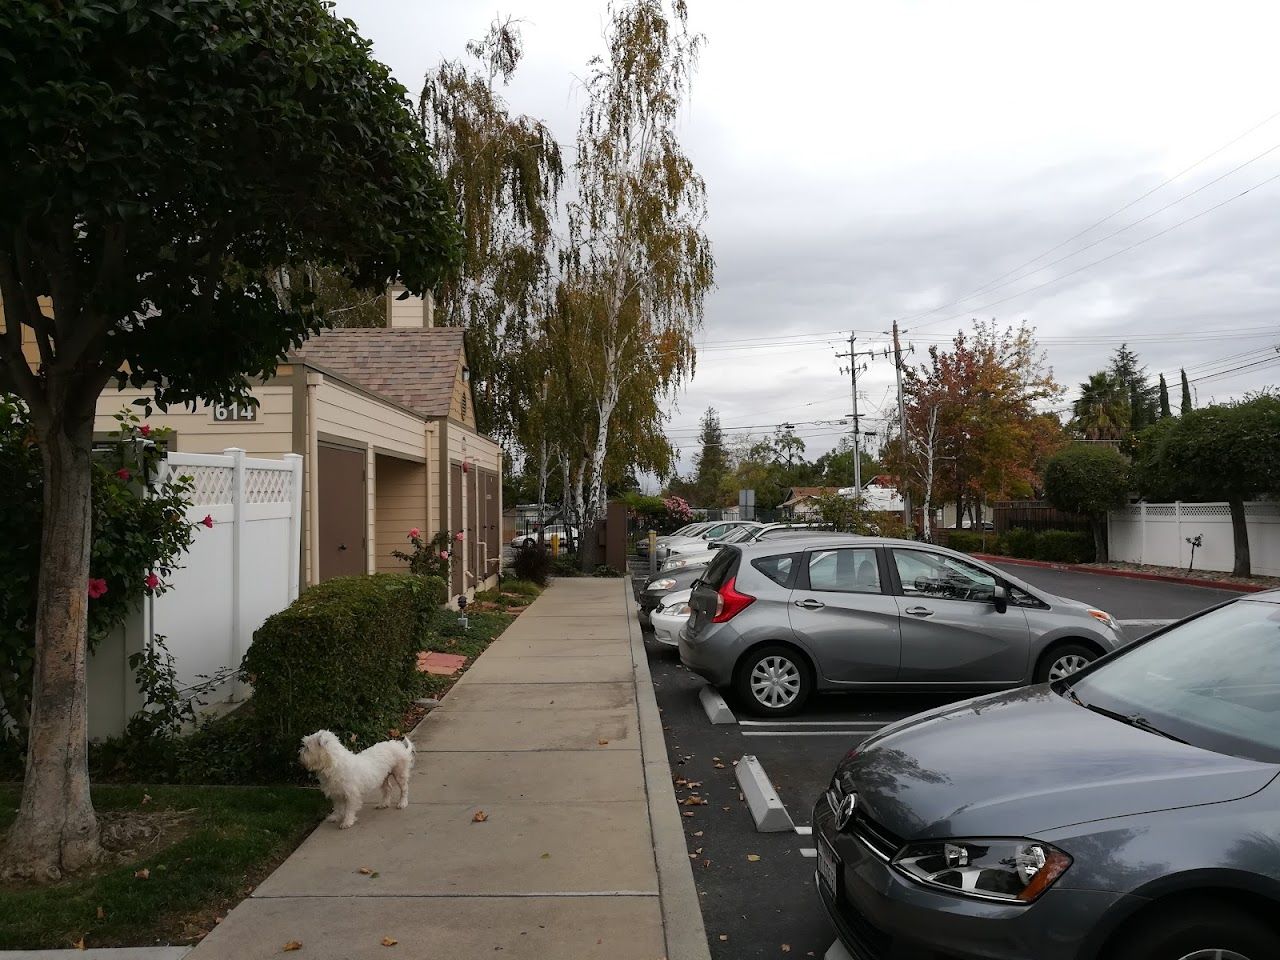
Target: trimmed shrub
[
  {"x": 342, "y": 657},
  {"x": 1020, "y": 542},
  {"x": 532, "y": 564},
  {"x": 969, "y": 541},
  {"x": 1064, "y": 546}
]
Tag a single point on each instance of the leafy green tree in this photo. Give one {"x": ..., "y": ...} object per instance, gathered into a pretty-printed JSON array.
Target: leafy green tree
[
  {"x": 1225, "y": 452},
  {"x": 1186, "y": 406},
  {"x": 504, "y": 174},
  {"x": 1164, "y": 399},
  {"x": 1089, "y": 479},
  {"x": 638, "y": 265},
  {"x": 711, "y": 466},
  {"x": 159, "y": 162}
]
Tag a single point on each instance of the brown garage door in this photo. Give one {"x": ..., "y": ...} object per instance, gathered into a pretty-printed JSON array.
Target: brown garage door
[
  {"x": 455, "y": 521},
  {"x": 492, "y": 520},
  {"x": 473, "y": 523},
  {"x": 342, "y": 505}
]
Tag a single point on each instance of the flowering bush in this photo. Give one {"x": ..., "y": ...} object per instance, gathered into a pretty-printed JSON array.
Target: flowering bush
[
  {"x": 678, "y": 510},
  {"x": 433, "y": 559},
  {"x": 139, "y": 531}
]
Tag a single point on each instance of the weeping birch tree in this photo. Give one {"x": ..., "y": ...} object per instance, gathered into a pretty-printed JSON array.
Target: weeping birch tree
[
  {"x": 504, "y": 175},
  {"x": 639, "y": 264}
]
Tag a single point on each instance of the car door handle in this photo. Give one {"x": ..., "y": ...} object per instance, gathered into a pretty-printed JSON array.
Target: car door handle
[
  {"x": 810, "y": 604},
  {"x": 919, "y": 611}
]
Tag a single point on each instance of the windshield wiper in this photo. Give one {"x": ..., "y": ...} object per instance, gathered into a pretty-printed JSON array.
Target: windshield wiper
[{"x": 1132, "y": 719}]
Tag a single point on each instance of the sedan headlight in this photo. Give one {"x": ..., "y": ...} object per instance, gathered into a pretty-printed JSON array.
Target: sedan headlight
[
  {"x": 666, "y": 583},
  {"x": 674, "y": 565},
  {"x": 1017, "y": 871},
  {"x": 1103, "y": 617}
]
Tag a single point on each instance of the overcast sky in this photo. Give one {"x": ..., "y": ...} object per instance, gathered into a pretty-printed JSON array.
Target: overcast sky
[{"x": 866, "y": 161}]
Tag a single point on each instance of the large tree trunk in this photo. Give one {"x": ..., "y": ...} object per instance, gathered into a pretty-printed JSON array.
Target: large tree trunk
[
  {"x": 1240, "y": 535},
  {"x": 56, "y": 831},
  {"x": 1099, "y": 525}
]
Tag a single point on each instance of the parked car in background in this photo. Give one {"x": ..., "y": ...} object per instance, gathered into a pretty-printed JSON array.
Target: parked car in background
[
  {"x": 642, "y": 545},
  {"x": 770, "y": 531},
  {"x": 778, "y": 621},
  {"x": 698, "y": 539},
  {"x": 670, "y": 617},
  {"x": 568, "y": 536},
  {"x": 657, "y": 589},
  {"x": 983, "y": 525},
  {"x": 1130, "y": 811}
]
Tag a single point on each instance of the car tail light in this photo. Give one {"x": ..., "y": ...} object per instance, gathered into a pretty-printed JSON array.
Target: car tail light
[{"x": 729, "y": 602}]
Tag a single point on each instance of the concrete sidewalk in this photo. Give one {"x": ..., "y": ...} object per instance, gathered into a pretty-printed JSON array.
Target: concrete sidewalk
[{"x": 554, "y": 735}]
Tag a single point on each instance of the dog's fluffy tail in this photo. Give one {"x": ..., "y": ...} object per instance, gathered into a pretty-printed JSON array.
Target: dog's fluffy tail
[{"x": 408, "y": 745}]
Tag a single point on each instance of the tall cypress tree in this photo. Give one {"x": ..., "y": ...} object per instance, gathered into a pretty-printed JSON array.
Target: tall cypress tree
[
  {"x": 1164, "y": 398},
  {"x": 712, "y": 463},
  {"x": 1186, "y": 394}
]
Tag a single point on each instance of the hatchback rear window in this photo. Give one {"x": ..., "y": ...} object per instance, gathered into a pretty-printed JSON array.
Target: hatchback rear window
[
  {"x": 779, "y": 569},
  {"x": 721, "y": 568}
]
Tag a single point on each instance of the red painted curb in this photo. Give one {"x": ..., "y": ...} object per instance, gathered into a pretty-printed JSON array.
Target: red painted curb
[{"x": 1128, "y": 574}]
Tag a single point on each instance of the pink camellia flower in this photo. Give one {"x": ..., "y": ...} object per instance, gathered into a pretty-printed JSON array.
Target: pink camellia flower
[
  {"x": 444, "y": 554},
  {"x": 145, "y": 429},
  {"x": 208, "y": 521},
  {"x": 152, "y": 581},
  {"x": 124, "y": 474},
  {"x": 97, "y": 587},
  {"x": 415, "y": 533},
  {"x": 458, "y": 536}
]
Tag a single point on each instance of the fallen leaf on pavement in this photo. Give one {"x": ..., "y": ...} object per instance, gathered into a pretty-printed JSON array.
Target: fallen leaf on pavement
[
  {"x": 716, "y": 759},
  {"x": 724, "y": 808},
  {"x": 143, "y": 874},
  {"x": 603, "y": 743},
  {"x": 724, "y": 936},
  {"x": 698, "y": 834},
  {"x": 480, "y": 817},
  {"x": 689, "y": 813},
  {"x": 292, "y": 945},
  {"x": 389, "y": 942},
  {"x": 79, "y": 944},
  {"x": 719, "y": 766},
  {"x": 365, "y": 870},
  {"x": 786, "y": 948},
  {"x": 545, "y": 856},
  {"x": 753, "y": 857}
]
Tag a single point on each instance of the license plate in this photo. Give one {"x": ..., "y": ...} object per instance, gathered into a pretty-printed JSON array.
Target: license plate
[{"x": 828, "y": 866}]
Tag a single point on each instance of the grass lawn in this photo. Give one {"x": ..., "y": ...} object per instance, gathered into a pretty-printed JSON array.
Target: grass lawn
[
  {"x": 216, "y": 844},
  {"x": 483, "y": 627}
]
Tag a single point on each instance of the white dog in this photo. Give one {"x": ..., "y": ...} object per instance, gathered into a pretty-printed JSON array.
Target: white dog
[{"x": 345, "y": 777}]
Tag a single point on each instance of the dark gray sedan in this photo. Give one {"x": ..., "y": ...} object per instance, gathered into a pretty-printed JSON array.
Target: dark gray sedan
[
  {"x": 777, "y": 621},
  {"x": 1128, "y": 812}
]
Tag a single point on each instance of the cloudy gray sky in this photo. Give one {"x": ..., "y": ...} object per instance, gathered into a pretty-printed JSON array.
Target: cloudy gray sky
[{"x": 871, "y": 161}]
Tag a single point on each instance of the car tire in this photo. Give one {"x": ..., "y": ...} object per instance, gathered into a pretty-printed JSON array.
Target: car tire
[
  {"x": 1063, "y": 660},
  {"x": 774, "y": 672},
  {"x": 1197, "y": 930}
]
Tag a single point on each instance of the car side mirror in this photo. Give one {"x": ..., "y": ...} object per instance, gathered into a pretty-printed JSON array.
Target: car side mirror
[{"x": 1000, "y": 597}]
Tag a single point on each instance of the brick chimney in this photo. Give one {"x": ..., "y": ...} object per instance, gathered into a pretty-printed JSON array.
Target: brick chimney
[{"x": 411, "y": 311}]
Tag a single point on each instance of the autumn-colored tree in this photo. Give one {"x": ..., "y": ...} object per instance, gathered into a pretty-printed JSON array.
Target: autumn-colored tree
[
  {"x": 638, "y": 265},
  {"x": 504, "y": 174}
]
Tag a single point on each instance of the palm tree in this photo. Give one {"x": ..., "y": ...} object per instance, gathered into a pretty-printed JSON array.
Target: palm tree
[{"x": 1102, "y": 412}]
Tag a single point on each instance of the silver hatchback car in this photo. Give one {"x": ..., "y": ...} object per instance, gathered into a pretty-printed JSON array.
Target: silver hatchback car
[{"x": 778, "y": 621}]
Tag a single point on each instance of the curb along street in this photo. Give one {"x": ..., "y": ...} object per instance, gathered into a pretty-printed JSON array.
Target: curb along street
[
  {"x": 1127, "y": 574},
  {"x": 683, "y": 928}
]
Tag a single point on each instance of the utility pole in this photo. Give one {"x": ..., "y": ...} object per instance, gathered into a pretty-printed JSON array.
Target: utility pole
[
  {"x": 902, "y": 417},
  {"x": 853, "y": 356}
]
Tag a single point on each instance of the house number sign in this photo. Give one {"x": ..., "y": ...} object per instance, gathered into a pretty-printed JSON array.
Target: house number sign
[{"x": 235, "y": 413}]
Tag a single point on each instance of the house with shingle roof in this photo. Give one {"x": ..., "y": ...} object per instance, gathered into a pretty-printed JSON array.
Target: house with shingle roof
[{"x": 384, "y": 419}]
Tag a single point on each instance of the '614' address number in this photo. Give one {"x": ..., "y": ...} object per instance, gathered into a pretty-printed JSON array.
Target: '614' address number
[{"x": 235, "y": 412}]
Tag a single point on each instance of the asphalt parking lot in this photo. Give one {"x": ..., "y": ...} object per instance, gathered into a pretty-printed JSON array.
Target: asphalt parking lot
[{"x": 766, "y": 907}]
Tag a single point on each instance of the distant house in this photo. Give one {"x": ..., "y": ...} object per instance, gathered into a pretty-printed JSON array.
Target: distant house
[
  {"x": 800, "y": 502},
  {"x": 385, "y": 422}
]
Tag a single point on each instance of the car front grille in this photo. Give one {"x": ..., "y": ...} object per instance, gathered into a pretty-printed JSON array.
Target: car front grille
[{"x": 883, "y": 843}]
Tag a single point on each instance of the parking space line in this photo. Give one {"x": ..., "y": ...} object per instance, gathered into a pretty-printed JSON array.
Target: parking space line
[
  {"x": 812, "y": 723},
  {"x": 804, "y": 831},
  {"x": 808, "y": 733},
  {"x": 809, "y": 852}
]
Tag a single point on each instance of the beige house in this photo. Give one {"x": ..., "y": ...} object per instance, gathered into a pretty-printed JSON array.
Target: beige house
[{"x": 385, "y": 422}]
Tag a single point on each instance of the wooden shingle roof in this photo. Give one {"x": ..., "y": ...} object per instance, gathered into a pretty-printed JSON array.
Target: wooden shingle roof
[{"x": 414, "y": 367}]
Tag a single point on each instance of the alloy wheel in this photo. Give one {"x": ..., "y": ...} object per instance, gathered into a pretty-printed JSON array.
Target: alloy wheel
[
  {"x": 1214, "y": 955},
  {"x": 1065, "y": 666},
  {"x": 775, "y": 681}
]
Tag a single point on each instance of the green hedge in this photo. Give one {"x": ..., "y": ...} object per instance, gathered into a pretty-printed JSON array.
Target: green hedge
[
  {"x": 342, "y": 657},
  {"x": 1055, "y": 546}
]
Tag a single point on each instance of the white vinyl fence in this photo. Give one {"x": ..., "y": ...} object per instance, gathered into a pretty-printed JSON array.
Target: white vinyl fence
[
  {"x": 237, "y": 574},
  {"x": 1157, "y": 533}
]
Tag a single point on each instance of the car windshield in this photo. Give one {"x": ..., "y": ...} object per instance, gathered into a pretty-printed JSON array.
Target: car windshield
[
  {"x": 1213, "y": 682},
  {"x": 739, "y": 535}
]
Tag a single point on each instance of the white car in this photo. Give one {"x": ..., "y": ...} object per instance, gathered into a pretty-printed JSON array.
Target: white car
[
  {"x": 670, "y": 617},
  {"x": 696, "y": 542},
  {"x": 566, "y": 534}
]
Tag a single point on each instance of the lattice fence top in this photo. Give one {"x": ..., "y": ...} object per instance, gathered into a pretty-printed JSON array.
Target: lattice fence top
[
  {"x": 1261, "y": 509},
  {"x": 1132, "y": 512},
  {"x": 1206, "y": 510},
  {"x": 210, "y": 485},
  {"x": 268, "y": 485},
  {"x": 1161, "y": 509}
]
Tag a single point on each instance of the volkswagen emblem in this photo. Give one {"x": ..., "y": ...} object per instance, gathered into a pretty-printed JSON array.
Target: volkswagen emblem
[{"x": 848, "y": 807}]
